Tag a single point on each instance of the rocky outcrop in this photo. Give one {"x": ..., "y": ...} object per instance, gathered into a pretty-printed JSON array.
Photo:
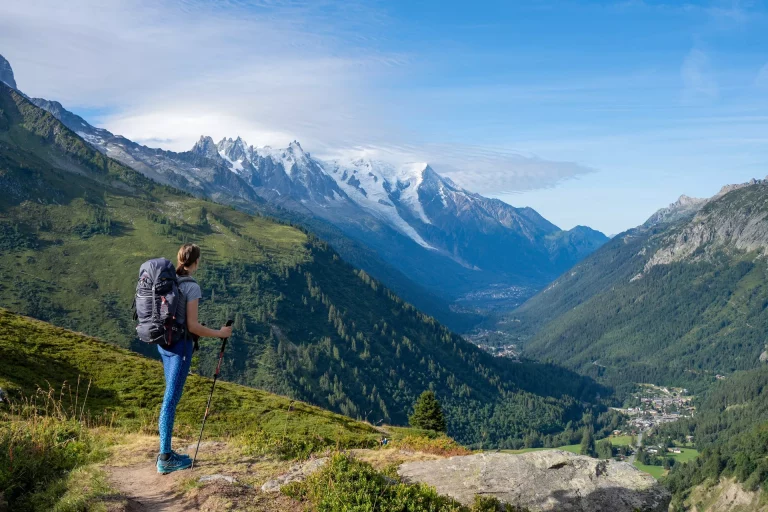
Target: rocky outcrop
[
  {"x": 685, "y": 206},
  {"x": 731, "y": 220},
  {"x": 549, "y": 480},
  {"x": 218, "y": 477},
  {"x": 726, "y": 496},
  {"x": 297, "y": 473}
]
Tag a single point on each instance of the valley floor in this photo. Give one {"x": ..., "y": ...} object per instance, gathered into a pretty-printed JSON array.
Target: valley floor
[{"x": 686, "y": 454}]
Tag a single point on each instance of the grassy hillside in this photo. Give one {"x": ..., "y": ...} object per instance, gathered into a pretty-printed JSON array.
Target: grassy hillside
[
  {"x": 76, "y": 226},
  {"x": 37, "y": 355},
  {"x": 698, "y": 313},
  {"x": 72, "y": 435}
]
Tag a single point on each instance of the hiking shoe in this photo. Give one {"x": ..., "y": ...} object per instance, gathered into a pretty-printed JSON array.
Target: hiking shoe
[
  {"x": 181, "y": 455},
  {"x": 174, "y": 463}
]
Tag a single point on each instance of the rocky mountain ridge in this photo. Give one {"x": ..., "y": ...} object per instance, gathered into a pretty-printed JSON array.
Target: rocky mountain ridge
[{"x": 719, "y": 224}]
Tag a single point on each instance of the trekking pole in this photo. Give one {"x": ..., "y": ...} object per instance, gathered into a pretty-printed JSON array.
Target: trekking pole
[{"x": 208, "y": 405}]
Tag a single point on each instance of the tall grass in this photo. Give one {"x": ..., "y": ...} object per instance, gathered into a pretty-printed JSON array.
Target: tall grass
[{"x": 43, "y": 437}]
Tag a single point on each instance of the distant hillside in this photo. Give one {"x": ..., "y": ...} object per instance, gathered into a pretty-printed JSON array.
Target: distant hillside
[
  {"x": 75, "y": 226},
  {"x": 670, "y": 302}
]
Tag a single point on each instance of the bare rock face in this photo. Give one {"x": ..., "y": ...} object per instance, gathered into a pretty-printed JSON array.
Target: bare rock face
[
  {"x": 6, "y": 73},
  {"x": 549, "y": 480}
]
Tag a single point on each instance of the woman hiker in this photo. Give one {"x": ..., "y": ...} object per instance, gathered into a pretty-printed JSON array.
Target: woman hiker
[{"x": 178, "y": 357}]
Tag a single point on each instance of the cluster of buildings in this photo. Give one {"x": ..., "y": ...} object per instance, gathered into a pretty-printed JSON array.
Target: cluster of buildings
[
  {"x": 656, "y": 449},
  {"x": 663, "y": 406},
  {"x": 509, "y": 351},
  {"x": 495, "y": 343}
]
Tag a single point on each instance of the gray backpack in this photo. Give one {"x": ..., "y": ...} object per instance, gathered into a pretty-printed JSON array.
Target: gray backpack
[{"x": 155, "y": 303}]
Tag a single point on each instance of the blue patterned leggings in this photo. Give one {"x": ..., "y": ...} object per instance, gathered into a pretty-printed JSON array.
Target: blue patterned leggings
[{"x": 176, "y": 362}]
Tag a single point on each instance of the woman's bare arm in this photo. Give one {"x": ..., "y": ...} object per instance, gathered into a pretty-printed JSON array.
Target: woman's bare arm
[{"x": 195, "y": 327}]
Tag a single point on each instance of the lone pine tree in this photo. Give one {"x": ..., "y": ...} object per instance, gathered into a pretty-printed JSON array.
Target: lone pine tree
[
  {"x": 427, "y": 413},
  {"x": 587, "y": 443}
]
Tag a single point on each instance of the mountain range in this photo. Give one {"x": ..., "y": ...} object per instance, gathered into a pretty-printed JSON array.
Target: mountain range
[
  {"x": 76, "y": 225},
  {"x": 406, "y": 222}
]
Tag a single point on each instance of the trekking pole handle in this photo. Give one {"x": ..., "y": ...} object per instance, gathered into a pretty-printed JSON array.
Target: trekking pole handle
[
  {"x": 224, "y": 341},
  {"x": 221, "y": 351}
]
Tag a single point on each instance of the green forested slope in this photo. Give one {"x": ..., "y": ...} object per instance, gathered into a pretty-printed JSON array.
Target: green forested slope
[
  {"x": 76, "y": 226},
  {"x": 730, "y": 430},
  {"x": 700, "y": 311}
]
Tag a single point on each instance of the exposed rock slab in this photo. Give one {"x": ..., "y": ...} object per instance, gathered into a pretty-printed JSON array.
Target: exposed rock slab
[
  {"x": 297, "y": 473},
  {"x": 218, "y": 477},
  {"x": 727, "y": 496},
  {"x": 550, "y": 480}
]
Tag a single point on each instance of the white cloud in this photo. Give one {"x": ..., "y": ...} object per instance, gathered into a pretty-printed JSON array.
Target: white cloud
[
  {"x": 699, "y": 83},
  {"x": 478, "y": 169},
  {"x": 165, "y": 72}
]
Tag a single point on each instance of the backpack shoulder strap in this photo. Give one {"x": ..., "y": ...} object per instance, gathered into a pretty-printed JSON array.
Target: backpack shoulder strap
[{"x": 186, "y": 279}]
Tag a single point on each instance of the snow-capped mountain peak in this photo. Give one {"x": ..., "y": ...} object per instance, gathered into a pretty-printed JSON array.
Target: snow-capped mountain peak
[
  {"x": 291, "y": 157},
  {"x": 235, "y": 152}
]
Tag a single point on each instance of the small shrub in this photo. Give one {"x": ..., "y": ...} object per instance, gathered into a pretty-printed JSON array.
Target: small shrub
[
  {"x": 442, "y": 445},
  {"x": 261, "y": 442}
]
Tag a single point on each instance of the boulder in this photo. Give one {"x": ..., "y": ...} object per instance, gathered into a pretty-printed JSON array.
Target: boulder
[
  {"x": 548, "y": 480},
  {"x": 297, "y": 473}
]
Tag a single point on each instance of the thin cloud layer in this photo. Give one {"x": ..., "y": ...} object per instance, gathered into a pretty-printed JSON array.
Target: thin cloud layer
[
  {"x": 699, "y": 82},
  {"x": 163, "y": 73}
]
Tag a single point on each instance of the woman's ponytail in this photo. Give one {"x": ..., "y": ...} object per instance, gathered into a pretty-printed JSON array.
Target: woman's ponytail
[{"x": 187, "y": 256}]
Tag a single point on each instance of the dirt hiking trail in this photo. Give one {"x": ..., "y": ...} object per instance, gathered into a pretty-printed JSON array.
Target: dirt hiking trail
[
  {"x": 147, "y": 490},
  {"x": 131, "y": 471}
]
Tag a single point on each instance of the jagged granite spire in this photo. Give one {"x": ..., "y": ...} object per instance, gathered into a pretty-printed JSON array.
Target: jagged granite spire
[
  {"x": 6, "y": 72},
  {"x": 205, "y": 147}
]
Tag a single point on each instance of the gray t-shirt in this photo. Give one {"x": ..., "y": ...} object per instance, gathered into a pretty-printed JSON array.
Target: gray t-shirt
[{"x": 190, "y": 290}]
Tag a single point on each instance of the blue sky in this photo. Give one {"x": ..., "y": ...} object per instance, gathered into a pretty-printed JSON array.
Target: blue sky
[{"x": 594, "y": 113}]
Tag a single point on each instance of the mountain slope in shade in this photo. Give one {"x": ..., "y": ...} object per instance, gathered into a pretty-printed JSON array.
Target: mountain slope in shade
[
  {"x": 452, "y": 242},
  {"x": 6, "y": 73},
  {"x": 675, "y": 302}
]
